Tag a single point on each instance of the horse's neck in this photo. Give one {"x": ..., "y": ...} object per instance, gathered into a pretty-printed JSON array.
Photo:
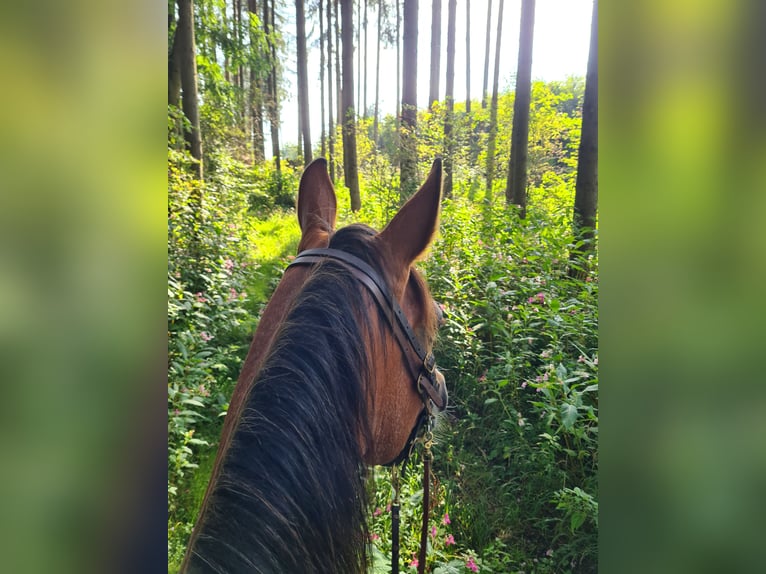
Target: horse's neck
[{"x": 290, "y": 497}]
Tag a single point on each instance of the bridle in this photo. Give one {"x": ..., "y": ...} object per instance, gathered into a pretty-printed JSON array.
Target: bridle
[{"x": 422, "y": 366}]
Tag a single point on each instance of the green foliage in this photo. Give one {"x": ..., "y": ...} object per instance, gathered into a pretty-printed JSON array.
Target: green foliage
[{"x": 517, "y": 452}]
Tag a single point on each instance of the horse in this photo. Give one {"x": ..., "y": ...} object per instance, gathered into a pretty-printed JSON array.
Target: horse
[{"x": 340, "y": 376}]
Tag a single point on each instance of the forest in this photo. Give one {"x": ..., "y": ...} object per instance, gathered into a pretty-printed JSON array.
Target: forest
[{"x": 514, "y": 266}]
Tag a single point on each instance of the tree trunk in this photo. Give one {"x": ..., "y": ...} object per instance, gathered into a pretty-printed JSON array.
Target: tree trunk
[
  {"x": 237, "y": 43},
  {"x": 408, "y": 146},
  {"x": 484, "y": 93},
  {"x": 398, "y": 64},
  {"x": 491, "y": 140},
  {"x": 256, "y": 98},
  {"x": 330, "y": 123},
  {"x": 468, "y": 56},
  {"x": 449, "y": 117},
  {"x": 377, "y": 76},
  {"x": 273, "y": 97},
  {"x": 174, "y": 68},
  {"x": 321, "y": 79},
  {"x": 188, "y": 66},
  {"x": 516, "y": 185},
  {"x": 338, "y": 94},
  {"x": 358, "y": 53},
  {"x": 436, "y": 46},
  {"x": 349, "y": 121},
  {"x": 303, "y": 89},
  {"x": 586, "y": 186},
  {"x": 364, "y": 91}
]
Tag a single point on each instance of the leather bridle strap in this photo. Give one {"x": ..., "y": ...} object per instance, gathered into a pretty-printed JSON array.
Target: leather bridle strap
[{"x": 420, "y": 362}]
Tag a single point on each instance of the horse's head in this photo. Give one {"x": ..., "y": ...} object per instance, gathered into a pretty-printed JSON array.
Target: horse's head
[{"x": 401, "y": 316}]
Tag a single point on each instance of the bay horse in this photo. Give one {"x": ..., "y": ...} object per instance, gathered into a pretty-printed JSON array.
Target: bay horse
[{"x": 339, "y": 376}]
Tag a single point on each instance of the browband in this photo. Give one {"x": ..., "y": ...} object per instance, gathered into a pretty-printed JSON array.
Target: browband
[{"x": 420, "y": 362}]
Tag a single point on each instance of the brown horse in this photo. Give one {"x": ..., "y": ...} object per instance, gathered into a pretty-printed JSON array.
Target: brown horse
[{"x": 338, "y": 376}]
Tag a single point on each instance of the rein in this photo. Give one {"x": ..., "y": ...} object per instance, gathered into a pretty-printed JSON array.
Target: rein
[{"x": 421, "y": 364}]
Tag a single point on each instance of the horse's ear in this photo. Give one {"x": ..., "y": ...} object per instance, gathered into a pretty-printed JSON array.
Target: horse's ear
[
  {"x": 316, "y": 206},
  {"x": 411, "y": 230}
]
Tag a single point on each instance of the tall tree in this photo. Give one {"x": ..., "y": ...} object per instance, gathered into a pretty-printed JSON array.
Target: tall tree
[
  {"x": 349, "y": 120},
  {"x": 468, "y": 56},
  {"x": 436, "y": 47},
  {"x": 377, "y": 75},
  {"x": 174, "y": 61},
  {"x": 586, "y": 186},
  {"x": 449, "y": 117},
  {"x": 256, "y": 94},
  {"x": 358, "y": 53},
  {"x": 492, "y": 138},
  {"x": 330, "y": 123},
  {"x": 273, "y": 98},
  {"x": 338, "y": 92},
  {"x": 321, "y": 78},
  {"x": 188, "y": 68},
  {"x": 303, "y": 89},
  {"x": 408, "y": 143},
  {"x": 398, "y": 63},
  {"x": 486, "y": 56},
  {"x": 516, "y": 184},
  {"x": 364, "y": 93}
]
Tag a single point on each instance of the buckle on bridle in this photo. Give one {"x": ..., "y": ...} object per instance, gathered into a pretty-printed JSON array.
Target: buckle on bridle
[{"x": 429, "y": 363}]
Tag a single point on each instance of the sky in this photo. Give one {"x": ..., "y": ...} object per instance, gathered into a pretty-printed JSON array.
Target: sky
[{"x": 561, "y": 40}]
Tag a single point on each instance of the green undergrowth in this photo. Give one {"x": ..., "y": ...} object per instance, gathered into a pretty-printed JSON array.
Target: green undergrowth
[{"x": 516, "y": 457}]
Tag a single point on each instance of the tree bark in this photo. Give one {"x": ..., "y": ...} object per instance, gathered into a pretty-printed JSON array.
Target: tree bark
[
  {"x": 408, "y": 146},
  {"x": 188, "y": 66},
  {"x": 338, "y": 94},
  {"x": 436, "y": 46},
  {"x": 358, "y": 53},
  {"x": 449, "y": 117},
  {"x": 330, "y": 123},
  {"x": 484, "y": 93},
  {"x": 321, "y": 80},
  {"x": 349, "y": 121},
  {"x": 377, "y": 76},
  {"x": 174, "y": 69},
  {"x": 586, "y": 186},
  {"x": 491, "y": 140},
  {"x": 256, "y": 98},
  {"x": 516, "y": 184},
  {"x": 303, "y": 89},
  {"x": 273, "y": 99},
  {"x": 468, "y": 56},
  {"x": 398, "y": 64},
  {"x": 364, "y": 91}
]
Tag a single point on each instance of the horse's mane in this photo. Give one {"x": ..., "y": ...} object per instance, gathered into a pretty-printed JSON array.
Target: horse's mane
[{"x": 290, "y": 496}]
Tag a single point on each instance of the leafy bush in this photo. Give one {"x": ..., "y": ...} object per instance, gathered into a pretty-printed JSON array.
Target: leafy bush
[{"x": 517, "y": 452}]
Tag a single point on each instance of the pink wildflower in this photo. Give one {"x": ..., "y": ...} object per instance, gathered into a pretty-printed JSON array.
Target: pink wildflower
[
  {"x": 228, "y": 264},
  {"x": 446, "y": 519},
  {"x": 483, "y": 378},
  {"x": 471, "y": 565},
  {"x": 524, "y": 385},
  {"x": 233, "y": 294},
  {"x": 377, "y": 512},
  {"x": 580, "y": 359},
  {"x": 200, "y": 298},
  {"x": 388, "y": 507},
  {"x": 374, "y": 537},
  {"x": 595, "y": 360},
  {"x": 433, "y": 532},
  {"x": 205, "y": 336},
  {"x": 414, "y": 563},
  {"x": 449, "y": 540}
]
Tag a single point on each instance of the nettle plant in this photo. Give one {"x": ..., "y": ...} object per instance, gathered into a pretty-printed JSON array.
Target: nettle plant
[
  {"x": 520, "y": 350},
  {"x": 208, "y": 269}
]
